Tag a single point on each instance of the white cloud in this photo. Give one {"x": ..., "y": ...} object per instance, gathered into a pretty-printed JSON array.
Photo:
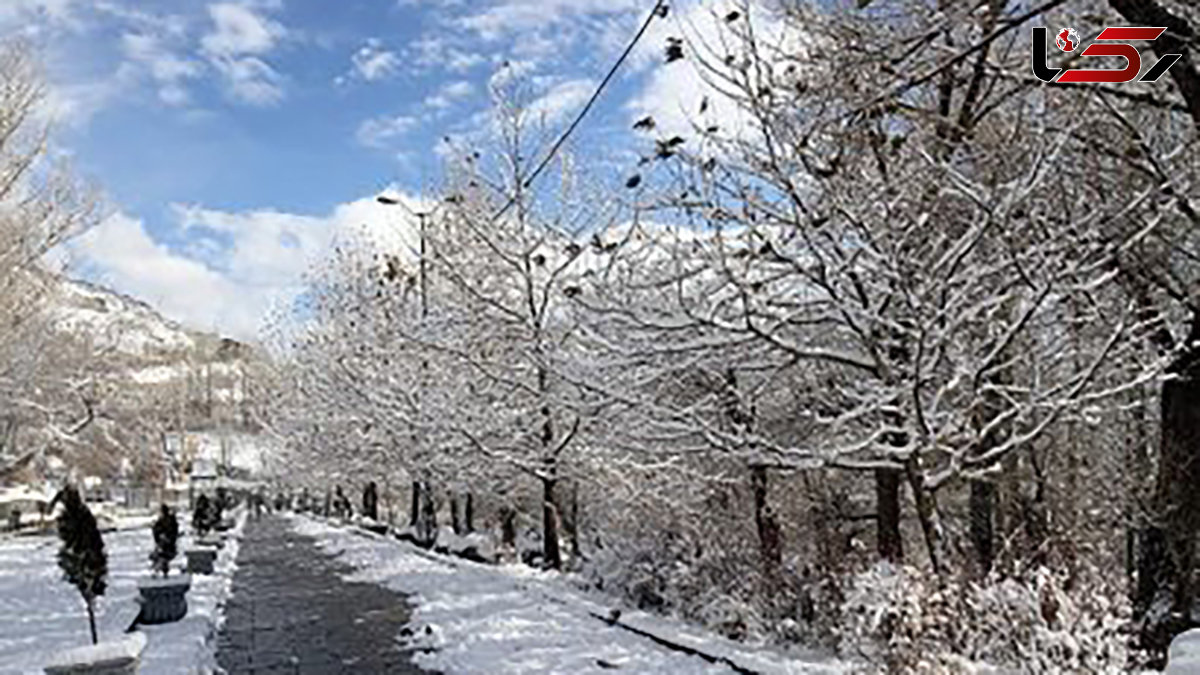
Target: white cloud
[
  {"x": 121, "y": 254},
  {"x": 268, "y": 247},
  {"x": 510, "y": 72},
  {"x": 57, "y": 12},
  {"x": 561, "y": 100},
  {"x": 672, "y": 92},
  {"x": 239, "y": 38},
  {"x": 372, "y": 62},
  {"x": 169, "y": 70},
  {"x": 379, "y": 132},
  {"x": 251, "y": 80},
  {"x": 506, "y": 17},
  {"x": 74, "y": 104},
  {"x": 435, "y": 51},
  {"x": 460, "y": 61},
  {"x": 238, "y": 30},
  {"x": 448, "y": 94},
  {"x": 237, "y": 267}
]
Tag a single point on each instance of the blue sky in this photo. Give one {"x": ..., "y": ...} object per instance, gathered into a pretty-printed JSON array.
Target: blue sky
[{"x": 234, "y": 138}]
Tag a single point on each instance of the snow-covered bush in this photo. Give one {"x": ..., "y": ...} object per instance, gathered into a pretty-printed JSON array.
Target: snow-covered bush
[
  {"x": 681, "y": 557},
  {"x": 905, "y": 620}
]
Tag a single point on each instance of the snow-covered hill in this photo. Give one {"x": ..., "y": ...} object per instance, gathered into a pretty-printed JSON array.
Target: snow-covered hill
[
  {"x": 129, "y": 378},
  {"x": 117, "y": 322}
]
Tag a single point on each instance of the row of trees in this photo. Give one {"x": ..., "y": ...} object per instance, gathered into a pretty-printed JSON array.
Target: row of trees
[
  {"x": 43, "y": 383},
  {"x": 908, "y": 304}
]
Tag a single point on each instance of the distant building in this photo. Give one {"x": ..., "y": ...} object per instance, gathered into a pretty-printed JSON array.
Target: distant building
[
  {"x": 203, "y": 477},
  {"x": 31, "y": 502}
]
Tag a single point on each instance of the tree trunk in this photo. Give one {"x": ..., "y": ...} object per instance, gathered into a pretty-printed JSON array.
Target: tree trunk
[
  {"x": 888, "y": 541},
  {"x": 416, "y": 504},
  {"x": 1167, "y": 543},
  {"x": 568, "y": 510},
  {"x": 508, "y": 526},
  {"x": 455, "y": 522},
  {"x": 927, "y": 514},
  {"x": 469, "y": 513},
  {"x": 1136, "y": 446},
  {"x": 574, "y": 533},
  {"x": 1166, "y": 594},
  {"x": 550, "y": 549},
  {"x": 769, "y": 545},
  {"x": 1035, "y": 516},
  {"x": 91, "y": 610},
  {"x": 427, "y": 527},
  {"x": 983, "y": 509}
]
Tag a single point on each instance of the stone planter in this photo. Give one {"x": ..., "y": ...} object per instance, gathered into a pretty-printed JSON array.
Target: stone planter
[
  {"x": 201, "y": 560},
  {"x": 163, "y": 600},
  {"x": 121, "y": 657}
]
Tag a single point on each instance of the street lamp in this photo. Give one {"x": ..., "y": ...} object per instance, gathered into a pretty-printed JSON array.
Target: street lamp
[{"x": 388, "y": 200}]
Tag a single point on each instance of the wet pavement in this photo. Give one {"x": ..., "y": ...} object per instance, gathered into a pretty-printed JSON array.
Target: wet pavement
[{"x": 290, "y": 612}]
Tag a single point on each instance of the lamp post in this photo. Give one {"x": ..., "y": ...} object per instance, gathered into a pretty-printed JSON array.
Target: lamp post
[
  {"x": 421, "y": 216},
  {"x": 417, "y": 516}
]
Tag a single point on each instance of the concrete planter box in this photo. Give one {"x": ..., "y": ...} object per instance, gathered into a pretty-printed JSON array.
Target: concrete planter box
[
  {"x": 201, "y": 560},
  {"x": 122, "y": 657},
  {"x": 163, "y": 600}
]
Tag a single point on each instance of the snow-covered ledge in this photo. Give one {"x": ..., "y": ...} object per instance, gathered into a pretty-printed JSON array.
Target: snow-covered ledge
[
  {"x": 1183, "y": 658},
  {"x": 119, "y": 657}
]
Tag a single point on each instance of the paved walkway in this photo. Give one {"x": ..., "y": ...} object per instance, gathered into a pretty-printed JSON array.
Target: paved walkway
[{"x": 290, "y": 612}]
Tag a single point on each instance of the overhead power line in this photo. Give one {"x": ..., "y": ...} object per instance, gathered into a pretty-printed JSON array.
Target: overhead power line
[{"x": 658, "y": 11}]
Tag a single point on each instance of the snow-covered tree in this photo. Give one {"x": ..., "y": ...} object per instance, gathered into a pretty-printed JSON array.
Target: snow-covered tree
[{"x": 41, "y": 206}]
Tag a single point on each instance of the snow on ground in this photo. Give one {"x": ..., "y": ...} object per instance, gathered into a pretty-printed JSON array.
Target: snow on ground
[
  {"x": 41, "y": 614},
  {"x": 473, "y": 618}
]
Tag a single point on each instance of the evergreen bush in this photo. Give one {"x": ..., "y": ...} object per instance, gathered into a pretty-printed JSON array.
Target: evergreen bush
[
  {"x": 202, "y": 516},
  {"x": 82, "y": 557},
  {"x": 166, "y": 540}
]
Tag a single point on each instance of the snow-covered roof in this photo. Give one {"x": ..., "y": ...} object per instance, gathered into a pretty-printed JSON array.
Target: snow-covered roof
[{"x": 24, "y": 493}]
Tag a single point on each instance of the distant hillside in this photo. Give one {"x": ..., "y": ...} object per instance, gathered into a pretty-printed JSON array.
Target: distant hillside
[
  {"x": 139, "y": 379},
  {"x": 116, "y": 321}
]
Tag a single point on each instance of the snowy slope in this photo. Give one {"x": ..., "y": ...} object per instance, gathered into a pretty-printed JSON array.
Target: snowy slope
[{"x": 115, "y": 321}]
